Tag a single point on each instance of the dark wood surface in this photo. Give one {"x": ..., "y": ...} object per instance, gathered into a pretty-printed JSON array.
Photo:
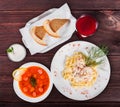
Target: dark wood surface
[{"x": 15, "y": 13}]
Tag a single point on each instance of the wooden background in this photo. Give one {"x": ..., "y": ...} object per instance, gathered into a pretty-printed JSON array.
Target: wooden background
[{"x": 15, "y": 13}]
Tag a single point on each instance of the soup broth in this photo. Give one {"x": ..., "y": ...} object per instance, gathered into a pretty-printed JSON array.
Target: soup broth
[{"x": 35, "y": 82}]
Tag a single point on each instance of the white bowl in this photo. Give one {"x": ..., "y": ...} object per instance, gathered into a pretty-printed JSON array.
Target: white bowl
[
  {"x": 18, "y": 54},
  {"x": 30, "y": 99}
]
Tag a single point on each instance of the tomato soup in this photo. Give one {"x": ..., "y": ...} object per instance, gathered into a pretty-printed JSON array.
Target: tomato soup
[{"x": 35, "y": 82}]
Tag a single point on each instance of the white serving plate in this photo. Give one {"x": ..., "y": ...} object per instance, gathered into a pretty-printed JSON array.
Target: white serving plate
[{"x": 64, "y": 87}]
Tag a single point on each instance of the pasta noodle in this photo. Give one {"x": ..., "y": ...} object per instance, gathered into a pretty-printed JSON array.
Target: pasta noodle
[{"x": 76, "y": 71}]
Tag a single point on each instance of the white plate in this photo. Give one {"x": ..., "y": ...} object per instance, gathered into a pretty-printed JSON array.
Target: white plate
[
  {"x": 63, "y": 85},
  {"x": 30, "y": 99}
]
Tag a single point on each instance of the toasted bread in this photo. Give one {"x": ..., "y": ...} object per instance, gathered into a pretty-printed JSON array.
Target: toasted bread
[
  {"x": 49, "y": 26},
  {"x": 48, "y": 29},
  {"x": 56, "y": 24},
  {"x": 38, "y": 33}
]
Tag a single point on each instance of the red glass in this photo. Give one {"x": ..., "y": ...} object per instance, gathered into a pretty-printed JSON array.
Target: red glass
[{"x": 86, "y": 25}]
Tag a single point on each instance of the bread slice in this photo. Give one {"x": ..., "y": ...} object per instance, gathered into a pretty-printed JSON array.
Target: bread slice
[
  {"x": 38, "y": 33},
  {"x": 48, "y": 29},
  {"x": 49, "y": 26},
  {"x": 56, "y": 24},
  {"x": 52, "y": 26}
]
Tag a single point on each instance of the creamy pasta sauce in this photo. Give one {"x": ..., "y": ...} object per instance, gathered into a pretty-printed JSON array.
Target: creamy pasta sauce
[{"x": 76, "y": 71}]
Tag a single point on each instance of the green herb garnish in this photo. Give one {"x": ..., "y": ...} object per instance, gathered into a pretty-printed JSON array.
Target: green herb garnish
[
  {"x": 10, "y": 50},
  {"x": 95, "y": 53},
  {"x": 33, "y": 81}
]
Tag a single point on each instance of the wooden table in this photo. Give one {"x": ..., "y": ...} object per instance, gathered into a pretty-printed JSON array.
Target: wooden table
[{"x": 15, "y": 13}]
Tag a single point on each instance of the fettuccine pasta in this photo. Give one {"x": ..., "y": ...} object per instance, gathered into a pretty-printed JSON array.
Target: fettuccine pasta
[{"x": 76, "y": 71}]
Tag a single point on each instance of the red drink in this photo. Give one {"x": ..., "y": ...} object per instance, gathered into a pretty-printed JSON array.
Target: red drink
[{"x": 86, "y": 25}]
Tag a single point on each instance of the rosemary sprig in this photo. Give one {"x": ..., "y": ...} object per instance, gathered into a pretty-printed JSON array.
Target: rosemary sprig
[{"x": 95, "y": 53}]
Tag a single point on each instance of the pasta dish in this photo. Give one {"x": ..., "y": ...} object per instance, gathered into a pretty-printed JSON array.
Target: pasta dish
[{"x": 76, "y": 71}]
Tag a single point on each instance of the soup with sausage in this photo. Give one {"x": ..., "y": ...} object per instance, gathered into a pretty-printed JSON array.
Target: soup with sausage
[{"x": 34, "y": 82}]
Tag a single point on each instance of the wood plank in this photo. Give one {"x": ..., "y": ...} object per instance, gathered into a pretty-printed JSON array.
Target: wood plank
[
  {"x": 11, "y": 17},
  {"x": 76, "y": 104},
  {"x": 26, "y": 5}
]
